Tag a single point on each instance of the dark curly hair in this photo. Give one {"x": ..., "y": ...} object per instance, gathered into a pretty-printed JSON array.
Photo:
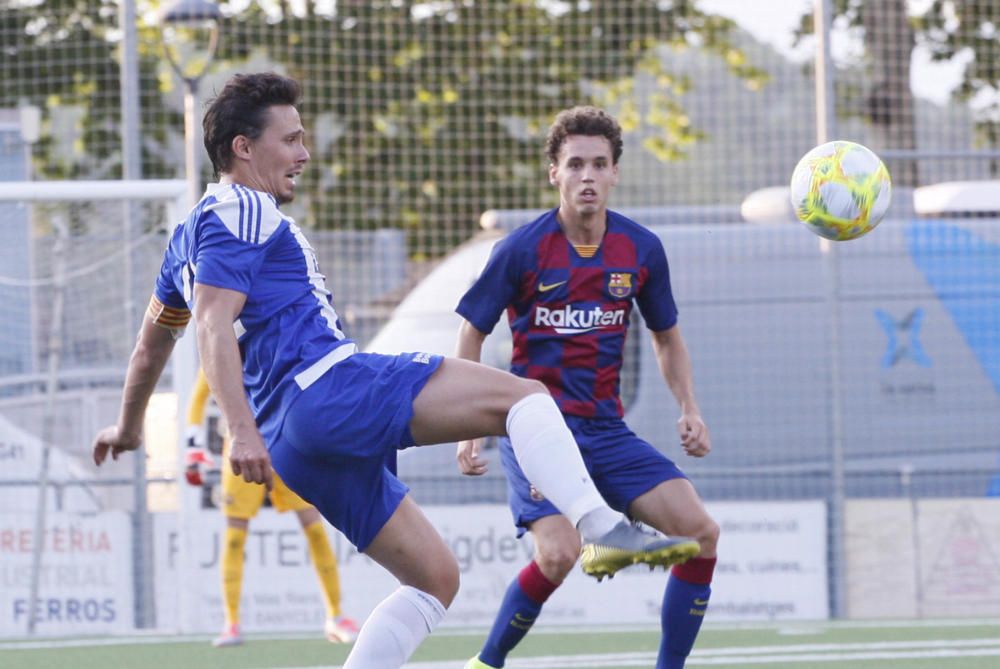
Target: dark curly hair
[
  {"x": 583, "y": 120},
  {"x": 241, "y": 109}
]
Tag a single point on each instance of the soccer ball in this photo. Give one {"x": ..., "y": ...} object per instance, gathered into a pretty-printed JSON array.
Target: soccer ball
[{"x": 841, "y": 190}]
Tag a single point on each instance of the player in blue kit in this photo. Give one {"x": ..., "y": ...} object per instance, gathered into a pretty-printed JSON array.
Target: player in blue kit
[
  {"x": 296, "y": 394},
  {"x": 568, "y": 282}
]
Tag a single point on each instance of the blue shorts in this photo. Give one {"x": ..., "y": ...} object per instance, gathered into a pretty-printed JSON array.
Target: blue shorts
[
  {"x": 340, "y": 436},
  {"x": 622, "y": 466}
]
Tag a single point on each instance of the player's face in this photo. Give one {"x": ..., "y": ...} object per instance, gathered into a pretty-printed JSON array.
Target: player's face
[
  {"x": 585, "y": 173},
  {"x": 278, "y": 156}
]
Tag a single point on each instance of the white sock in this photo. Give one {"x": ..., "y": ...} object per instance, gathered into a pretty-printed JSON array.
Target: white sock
[
  {"x": 598, "y": 522},
  {"x": 551, "y": 460},
  {"x": 394, "y": 629}
]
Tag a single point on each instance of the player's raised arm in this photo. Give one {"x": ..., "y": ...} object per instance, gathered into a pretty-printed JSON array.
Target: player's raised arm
[{"x": 149, "y": 357}]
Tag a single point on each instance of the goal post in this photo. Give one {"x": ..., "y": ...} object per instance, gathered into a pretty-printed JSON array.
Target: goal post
[
  {"x": 173, "y": 191},
  {"x": 79, "y": 247}
]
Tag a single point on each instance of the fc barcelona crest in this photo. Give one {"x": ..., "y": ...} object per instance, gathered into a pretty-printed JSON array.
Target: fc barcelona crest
[{"x": 620, "y": 284}]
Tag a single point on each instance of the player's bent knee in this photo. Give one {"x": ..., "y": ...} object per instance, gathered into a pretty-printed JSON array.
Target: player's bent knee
[
  {"x": 440, "y": 578},
  {"x": 505, "y": 396},
  {"x": 533, "y": 387},
  {"x": 514, "y": 392},
  {"x": 519, "y": 388},
  {"x": 708, "y": 537},
  {"x": 448, "y": 584},
  {"x": 556, "y": 565},
  {"x": 557, "y": 556}
]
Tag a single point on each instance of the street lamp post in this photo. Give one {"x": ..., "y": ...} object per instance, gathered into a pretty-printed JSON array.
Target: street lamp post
[
  {"x": 190, "y": 31},
  {"x": 190, "y": 40}
]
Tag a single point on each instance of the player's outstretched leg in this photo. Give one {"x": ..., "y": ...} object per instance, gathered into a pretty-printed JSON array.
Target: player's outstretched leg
[
  {"x": 551, "y": 460},
  {"x": 465, "y": 400},
  {"x": 626, "y": 545}
]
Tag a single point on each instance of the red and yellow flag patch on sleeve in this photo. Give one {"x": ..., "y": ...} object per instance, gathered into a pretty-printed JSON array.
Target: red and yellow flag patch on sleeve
[{"x": 172, "y": 318}]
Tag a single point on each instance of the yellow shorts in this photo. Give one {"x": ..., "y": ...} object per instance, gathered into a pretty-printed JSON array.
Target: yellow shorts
[{"x": 243, "y": 500}]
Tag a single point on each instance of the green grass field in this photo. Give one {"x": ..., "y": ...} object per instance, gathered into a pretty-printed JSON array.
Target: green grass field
[{"x": 949, "y": 644}]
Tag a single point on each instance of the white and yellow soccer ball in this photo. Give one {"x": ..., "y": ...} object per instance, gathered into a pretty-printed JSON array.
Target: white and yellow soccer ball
[{"x": 841, "y": 190}]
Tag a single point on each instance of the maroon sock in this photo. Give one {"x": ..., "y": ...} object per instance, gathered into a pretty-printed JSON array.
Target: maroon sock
[
  {"x": 697, "y": 570},
  {"x": 535, "y": 584}
]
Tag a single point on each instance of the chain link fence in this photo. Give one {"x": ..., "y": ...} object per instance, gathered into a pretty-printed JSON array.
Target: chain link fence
[{"x": 421, "y": 116}]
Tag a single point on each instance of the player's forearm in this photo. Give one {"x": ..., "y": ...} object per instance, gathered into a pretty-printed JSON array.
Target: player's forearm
[
  {"x": 223, "y": 367},
  {"x": 470, "y": 343},
  {"x": 680, "y": 379},
  {"x": 152, "y": 350},
  {"x": 675, "y": 366}
]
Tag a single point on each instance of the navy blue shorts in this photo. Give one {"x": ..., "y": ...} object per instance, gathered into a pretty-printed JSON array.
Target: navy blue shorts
[
  {"x": 622, "y": 466},
  {"x": 340, "y": 436}
]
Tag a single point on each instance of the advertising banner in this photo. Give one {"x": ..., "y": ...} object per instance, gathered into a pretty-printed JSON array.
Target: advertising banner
[
  {"x": 85, "y": 580},
  {"x": 772, "y": 566},
  {"x": 280, "y": 589}
]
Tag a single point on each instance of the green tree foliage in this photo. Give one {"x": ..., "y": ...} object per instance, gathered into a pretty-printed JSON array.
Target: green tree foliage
[
  {"x": 63, "y": 56},
  {"x": 421, "y": 114},
  {"x": 949, "y": 28},
  {"x": 946, "y": 28},
  {"x": 440, "y": 109}
]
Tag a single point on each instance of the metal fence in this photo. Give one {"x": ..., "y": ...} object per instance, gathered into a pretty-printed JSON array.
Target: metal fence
[{"x": 421, "y": 116}]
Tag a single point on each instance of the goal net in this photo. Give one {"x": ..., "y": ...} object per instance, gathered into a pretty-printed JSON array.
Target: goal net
[{"x": 78, "y": 263}]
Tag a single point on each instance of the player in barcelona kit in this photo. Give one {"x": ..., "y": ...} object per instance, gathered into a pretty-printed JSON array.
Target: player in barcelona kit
[
  {"x": 568, "y": 282},
  {"x": 297, "y": 395}
]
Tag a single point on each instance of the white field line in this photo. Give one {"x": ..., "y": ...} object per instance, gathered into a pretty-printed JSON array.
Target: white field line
[
  {"x": 746, "y": 655},
  {"x": 826, "y": 658},
  {"x": 825, "y": 653},
  {"x": 755, "y": 656},
  {"x": 848, "y": 646},
  {"x": 742, "y": 655},
  {"x": 123, "y": 640},
  {"x": 782, "y": 627}
]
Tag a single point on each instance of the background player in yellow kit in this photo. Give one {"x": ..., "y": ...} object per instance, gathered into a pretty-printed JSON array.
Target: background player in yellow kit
[{"x": 240, "y": 502}]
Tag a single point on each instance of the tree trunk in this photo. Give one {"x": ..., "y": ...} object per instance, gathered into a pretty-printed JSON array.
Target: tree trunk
[{"x": 890, "y": 105}]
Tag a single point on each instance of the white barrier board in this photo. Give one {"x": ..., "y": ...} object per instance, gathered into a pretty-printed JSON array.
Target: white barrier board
[
  {"x": 925, "y": 558},
  {"x": 85, "y": 581},
  {"x": 280, "y": 589},
  {"x": 772, "y": 566},
  {"x": 21, "y": 460}
]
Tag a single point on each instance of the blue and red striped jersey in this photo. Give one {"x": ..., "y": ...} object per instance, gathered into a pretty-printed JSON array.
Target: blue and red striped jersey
[{"x": 569, "y": 314}]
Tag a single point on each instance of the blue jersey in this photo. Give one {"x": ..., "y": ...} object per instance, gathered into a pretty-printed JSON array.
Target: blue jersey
[
  {"x": 569, "y": 315},
  {"x": 288, "y": 331}
]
